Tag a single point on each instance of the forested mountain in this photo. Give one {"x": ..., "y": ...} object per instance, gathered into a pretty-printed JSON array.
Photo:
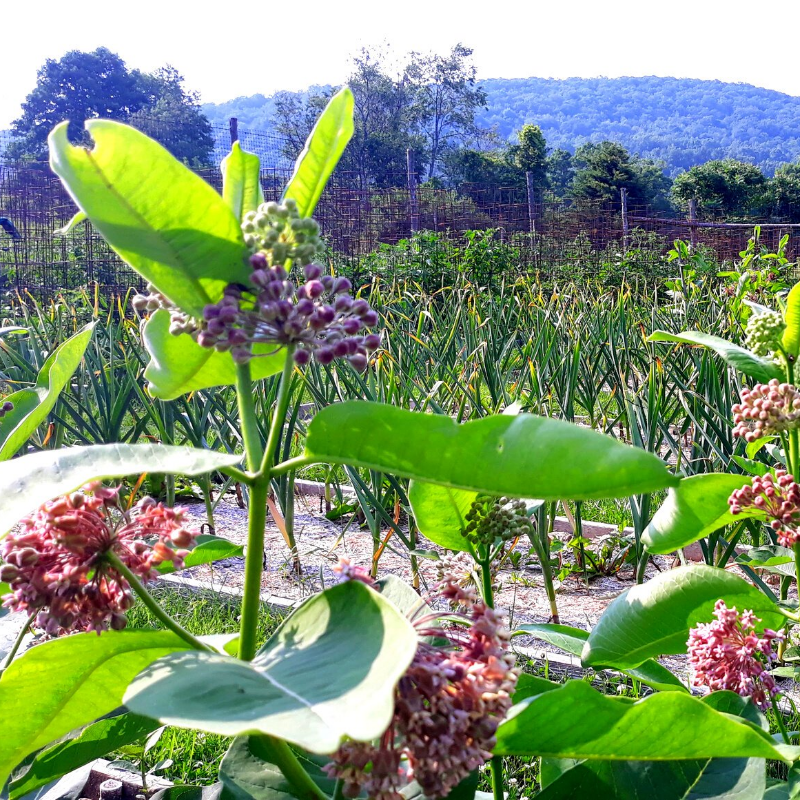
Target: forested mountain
[{"x": 680, "y": 121}]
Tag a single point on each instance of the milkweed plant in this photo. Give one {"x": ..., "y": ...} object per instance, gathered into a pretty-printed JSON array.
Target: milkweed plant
[{"x": 369, "y": 689}]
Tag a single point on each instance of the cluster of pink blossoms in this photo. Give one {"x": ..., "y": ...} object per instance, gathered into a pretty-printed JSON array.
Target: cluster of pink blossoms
[
  {"x": 766, "y": 409},
  {"x": 58, "y": 566},
  {"x": 728, "y": 654},
  {"x": 448, "y": 704},
  {"x": 778, "y": 498}
]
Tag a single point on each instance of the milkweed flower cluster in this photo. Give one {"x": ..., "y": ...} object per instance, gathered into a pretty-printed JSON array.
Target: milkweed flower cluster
[
  {"x": 491, "y": 518},
  {"x": 448, "y": 706},
  {"x": 58, "y": 566},
  {"x": 763, "y": 333},
  {"x": 729, "y": 654},
  {"x": 316, "y": 316},
  {"x": 777, "y": 498},
  {"x": 766, "y": 409}
]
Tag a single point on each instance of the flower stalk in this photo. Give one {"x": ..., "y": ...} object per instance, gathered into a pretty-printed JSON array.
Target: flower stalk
[{"x": 151, "y": 604}]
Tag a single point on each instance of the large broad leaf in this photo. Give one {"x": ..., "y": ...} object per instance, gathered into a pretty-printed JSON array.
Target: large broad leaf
[
  {"x": 178, "y": 365},
  {"x": 522, "y": 456},
  {"x": 241, "y": 181},
  {"x": 572, "y": 640},
  {"x": 32, "y": 405},
  {"x": 93, "y": 741},
  {"x": 749, "y": 363},
  {"x": 655, "y": 618},
  {"x": 791, "y": 336},
  {"x": 31, "y": 480},
  {"x": 158, "y": 215},
  {"x": 696, "y": 507},
  {"x": 576, "y": 721},
  {"x": 440, "y": 512},
  {"x": 771, "y": 558},
  {"x": 248, "y": 771},
  {"x": 322, "y": 152},
  {"x": 207, "y": 551},
  {"x": 63, "y": 684},
  {"x": 329, "y": 671},
  {"x": 702, "y": 779}
]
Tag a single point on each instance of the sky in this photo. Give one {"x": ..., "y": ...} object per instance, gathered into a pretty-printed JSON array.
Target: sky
[{"x": 229, "y": 50}]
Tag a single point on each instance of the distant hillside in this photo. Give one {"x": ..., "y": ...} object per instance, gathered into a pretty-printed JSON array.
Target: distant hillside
[{"x": 680, "y": 121}]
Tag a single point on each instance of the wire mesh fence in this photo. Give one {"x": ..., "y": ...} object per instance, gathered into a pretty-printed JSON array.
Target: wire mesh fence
[{"x": 397, "y": 231}]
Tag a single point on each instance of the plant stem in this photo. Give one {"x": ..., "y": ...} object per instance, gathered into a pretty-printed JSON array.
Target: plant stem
[
  {"x": 496, "y": 764},
  {"x": 247, "y": 416},
  {"x": 17, "y": 644},
  {"x": 279, "y": 416},
  {"x": 259, "y": 461},
  {"x": 796, "y": 549},
  {"x": 779, "y": 719},
  {"x": 154, "y": 608},
  {"x": 279, "y": 753}
]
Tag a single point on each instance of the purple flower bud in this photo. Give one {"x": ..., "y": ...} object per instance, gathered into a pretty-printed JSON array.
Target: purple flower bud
[
  {"x": 327, "y": 282},
  {"x": 342, "y": 286},
  {"x": 215, "y": 327},
  {"x": 340, "y": 349},
  {"x": 301, "y": 357},
  {"x": 312, "y": 271},
  {"x": 327, "y": 314},
  {"x": 274, "y": 290},
  {"x": 258, "y": 261},
  {"x": 351, "y": 325},
  {"x": 370, "y": 319},
  {"x": 343, "y": 303},
  {"x": 237, "y": 336},
  {"x": 314, "y": 289},
  {"x": 304, "y": 307},
  {"x": 260, "y": 278},
  {"x": 324, "y": 355},
  {"x": 210, "y": 312},
  {"x": 360, "y": 307},
  {"x": 373, "y": 341},
  {"x": 241, "y": 354}
]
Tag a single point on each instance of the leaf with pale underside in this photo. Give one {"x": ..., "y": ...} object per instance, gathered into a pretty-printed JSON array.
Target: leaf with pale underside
[
  {"x": 290, "y": 690},
  {"x": 33, "y": 479}
]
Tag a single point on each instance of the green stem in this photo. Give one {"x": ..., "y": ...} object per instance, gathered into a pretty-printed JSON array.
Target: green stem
[
  {"x": 279, "y": 417},
  {"x": 496, "y": 764},
  {"x": 279, "y": 753},
  {"x": 17, "y": 644},
  {"x": 154, "y": 608},
  {"x": 259, "y": 461},
  {"x": 796, "y": 549},
  {"x": 779, "y": 719},
  {"x": 247, "y": 416},
  {"x": 253, "y": 568}
]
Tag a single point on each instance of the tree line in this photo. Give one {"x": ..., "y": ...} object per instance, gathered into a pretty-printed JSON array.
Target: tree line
[{"x": 427, "y": 105}]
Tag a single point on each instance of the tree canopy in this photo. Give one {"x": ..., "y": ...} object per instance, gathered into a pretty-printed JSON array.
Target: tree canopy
[{"x": 81, "y": 86}]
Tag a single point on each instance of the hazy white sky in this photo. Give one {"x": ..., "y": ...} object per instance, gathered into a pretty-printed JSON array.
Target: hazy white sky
[{"x": 229, "y": 49}]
